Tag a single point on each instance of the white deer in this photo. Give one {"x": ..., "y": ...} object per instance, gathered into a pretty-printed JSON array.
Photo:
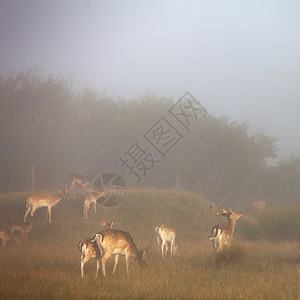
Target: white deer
[
  {"x": 222, "y": 235},
  {"x": 88, "y": 249},
  {"x": 42, "y": 200},
  {"x": 166, "y": 236},
  {"x": 118, "y": 242},
  {"x": 90, "y": 198}
]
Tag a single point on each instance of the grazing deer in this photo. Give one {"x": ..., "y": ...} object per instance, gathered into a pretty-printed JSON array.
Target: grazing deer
[
  {"x": 118, "y": 242},
  {"x": 90, "y": 198},
  {"x": 41, "y": 200},
  {"x": 166, "y": 236},
  {"x": 5, "y": 236},
  {"x": 23, "y": 227},
  {"x": 78, "y": 179},
  {"x": 222, "y": 235},
  {"x": 89, "y": 249}
]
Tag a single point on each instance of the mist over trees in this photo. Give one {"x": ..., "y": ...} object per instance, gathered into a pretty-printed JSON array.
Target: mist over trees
[{"x": 46, "y": 123}]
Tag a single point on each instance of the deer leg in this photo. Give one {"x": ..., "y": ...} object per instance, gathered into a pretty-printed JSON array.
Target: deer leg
[
  {"x": 85, "y": 209},
  {"x": 105, "y": 257},
  {"x": 33, "y": 209},
  {"x": 158, "y": 243},
  {"x": 167, "y": 248},
  {"x": 162, "y": 248},
  {"x": 27, "y": 212},
  {"x": 49, "y": 213},
  {"x": 172, "y": 248},
  {"x": 98, "y": 266},
  {"x": 116, "y": 262},
  {"x": 82, "y": 263},
  {"x": 127, "y": 264}
]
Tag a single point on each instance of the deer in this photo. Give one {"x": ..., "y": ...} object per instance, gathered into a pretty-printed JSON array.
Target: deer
[
  {"x": 166, "y": 236},
  {"x": 90, "y": 198},
  {"x": 6, "y": 235},
  {"x": 222, "y": 235},
  {"x": 117, "y": 242},
  {"x": 89, "y": 249},
  {"x": 41, "y": 200},
  {"x": 23, "y": 227},
  {"x": 78, "y": 179}
]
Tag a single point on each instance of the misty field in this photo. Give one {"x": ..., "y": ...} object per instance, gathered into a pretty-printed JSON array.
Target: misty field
[{"x": 47, "y": 265}]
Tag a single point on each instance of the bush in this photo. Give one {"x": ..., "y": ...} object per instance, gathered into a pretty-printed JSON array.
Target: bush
[{"x": 281, "y": 222}]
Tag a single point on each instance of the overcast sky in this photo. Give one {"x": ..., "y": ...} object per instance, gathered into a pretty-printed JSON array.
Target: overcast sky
[{"x": 238, "y": 58}]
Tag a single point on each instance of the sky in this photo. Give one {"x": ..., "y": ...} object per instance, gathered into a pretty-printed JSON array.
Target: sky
[{"x": 237, "y": 58}]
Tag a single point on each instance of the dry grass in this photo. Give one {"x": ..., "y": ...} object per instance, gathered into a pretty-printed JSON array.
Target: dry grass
[{"x": 47, "y": 266}]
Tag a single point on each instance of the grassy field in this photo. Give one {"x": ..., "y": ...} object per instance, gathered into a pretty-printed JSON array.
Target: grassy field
[{"x": 47, "y": 266}]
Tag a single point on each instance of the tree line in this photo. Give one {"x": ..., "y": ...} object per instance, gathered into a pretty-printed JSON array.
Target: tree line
[{"x": 46, "y": 123}]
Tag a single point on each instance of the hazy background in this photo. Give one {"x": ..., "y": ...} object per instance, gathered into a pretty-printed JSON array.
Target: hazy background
[{"x": 238, "y": 58}]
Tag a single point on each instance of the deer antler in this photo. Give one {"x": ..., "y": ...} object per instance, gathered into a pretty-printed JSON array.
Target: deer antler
[
  {"x": 221, "y": 211},
  {"x": 214, "y": 211}
]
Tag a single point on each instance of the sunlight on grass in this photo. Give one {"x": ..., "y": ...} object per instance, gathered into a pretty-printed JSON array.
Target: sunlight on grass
[{"x": 47, "y": 266}]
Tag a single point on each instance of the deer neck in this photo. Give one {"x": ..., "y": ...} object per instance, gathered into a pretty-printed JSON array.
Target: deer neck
[
  {"x": 231, "y": 225},
  {"x": 135, "y": 253}
]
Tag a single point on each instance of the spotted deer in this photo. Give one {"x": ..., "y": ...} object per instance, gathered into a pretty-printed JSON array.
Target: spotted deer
[
  {"x": 118, "y": 242},
  {"x": 42, "y": 200},
  {"x": 6, "y": 235},
  {"x": 78, "y": 179},
  {"x": 90, "y": 198},
  {"x": 166, "y": 236},
  {"x": 222, "y": 235},
  {"x": 89, "y": 249},
  {"x": 23, "y": 227}
]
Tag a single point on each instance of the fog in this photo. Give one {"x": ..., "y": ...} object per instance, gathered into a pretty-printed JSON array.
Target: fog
[{"x": 238, "y": 58}]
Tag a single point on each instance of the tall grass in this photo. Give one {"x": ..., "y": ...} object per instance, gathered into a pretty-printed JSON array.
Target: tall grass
[{"x": 47, "y": 266}]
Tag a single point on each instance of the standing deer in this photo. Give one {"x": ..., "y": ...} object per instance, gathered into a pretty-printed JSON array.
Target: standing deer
[
  {"x": 6, "y": 235},
  {"x": 222, "y": 235},
  {"x": 90, "y": 198},
  {"x": 78, "y": 179},
  {"x": 166, "y": 236},
  {"x": 89, "y": 249},
  {"x": 41, "y": 200},
  {"x": 118, "y": 242},
  {"x": 23, "y": 227}
]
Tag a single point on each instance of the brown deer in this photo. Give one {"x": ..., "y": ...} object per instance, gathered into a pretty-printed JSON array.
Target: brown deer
[
  {"x": 118, "y": 242},
  {"x": 6, "y": 235},
  {"x": 166, "y": 236},
  {"x": 89, "y": 249},
  {"x": 23, "y": 227},
  {"x": 78, "y": 179},
  {"x": 42, "y": 200},
  {"x": 90, "y": 198},
  {"x": 222, "y": 235}
]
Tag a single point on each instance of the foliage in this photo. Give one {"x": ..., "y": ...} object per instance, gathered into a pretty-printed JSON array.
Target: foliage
[
  {"x": 45, "y": 123},
  {"x": 281, "y": 222}
]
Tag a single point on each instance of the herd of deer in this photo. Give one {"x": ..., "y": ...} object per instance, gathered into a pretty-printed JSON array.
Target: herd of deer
[{"x": 112, "y": 241}]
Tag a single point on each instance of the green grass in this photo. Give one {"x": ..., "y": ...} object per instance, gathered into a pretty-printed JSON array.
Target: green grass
[{"x": 47, "y": 266}]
